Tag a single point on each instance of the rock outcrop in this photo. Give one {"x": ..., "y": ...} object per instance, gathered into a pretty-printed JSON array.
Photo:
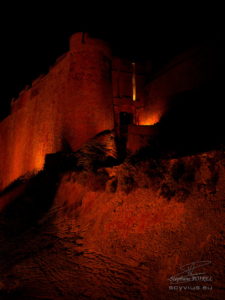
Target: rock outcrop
[{"x": 118, "y": 232}]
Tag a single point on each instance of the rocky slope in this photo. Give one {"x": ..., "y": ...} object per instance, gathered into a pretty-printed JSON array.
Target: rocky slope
[{"x": 116, "y": 232}]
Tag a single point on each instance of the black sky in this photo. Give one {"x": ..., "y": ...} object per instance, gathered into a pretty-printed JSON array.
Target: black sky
[{"x": 33, "y": 37}]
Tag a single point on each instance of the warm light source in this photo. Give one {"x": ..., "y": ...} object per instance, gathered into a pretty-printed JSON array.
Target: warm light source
[
  {"x": 150, "y": 120},
  {"x": 134, "y": 81}
]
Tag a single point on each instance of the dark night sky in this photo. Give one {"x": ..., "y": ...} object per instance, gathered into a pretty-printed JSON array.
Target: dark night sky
[{"x": 32, "y": 39}]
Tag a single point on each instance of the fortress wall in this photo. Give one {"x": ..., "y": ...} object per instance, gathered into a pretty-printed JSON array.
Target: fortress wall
[
  {"x": 187, "y": 72},
  {"x": 65, "y": 108},
  {"x": 88, "y": 107},
  {"x": 34, "y": 126},
  {"x": 122, "y": 71},
  {"x": 122, "y": 78},
  {"x": 139, "y": 137}
]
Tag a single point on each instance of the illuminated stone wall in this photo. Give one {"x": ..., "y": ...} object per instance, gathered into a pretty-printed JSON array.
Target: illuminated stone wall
[
  {"x": 72, "y": 103},
  {"x": 84, "y": 93}
]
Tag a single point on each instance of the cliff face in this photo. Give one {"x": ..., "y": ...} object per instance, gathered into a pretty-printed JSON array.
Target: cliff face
[{"x": 117, "y": 232}]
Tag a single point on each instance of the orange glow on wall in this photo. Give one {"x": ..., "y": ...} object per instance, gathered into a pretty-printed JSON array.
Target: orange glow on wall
[
  {"x": 39, "y": 160},
  {"x": 134, "y": 82},
  {"x": 151, "y": 119}
]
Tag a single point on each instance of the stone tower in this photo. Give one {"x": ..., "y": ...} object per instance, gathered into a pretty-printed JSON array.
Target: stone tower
[{"x": 88, "y": 109}]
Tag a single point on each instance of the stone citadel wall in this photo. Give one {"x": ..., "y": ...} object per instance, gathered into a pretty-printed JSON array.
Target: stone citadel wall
[
  {"x": 72, "y": 103},
  {"x": 84, "y": 93}
]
